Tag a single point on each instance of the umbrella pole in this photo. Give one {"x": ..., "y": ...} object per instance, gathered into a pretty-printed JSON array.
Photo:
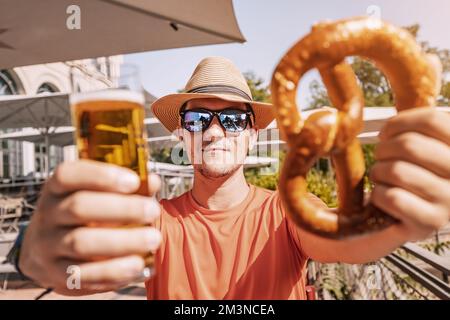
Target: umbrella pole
[{"x": 47, "y": 155}]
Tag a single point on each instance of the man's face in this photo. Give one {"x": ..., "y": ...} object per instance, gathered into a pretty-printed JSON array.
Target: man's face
[{"x": 216, "y": 152}]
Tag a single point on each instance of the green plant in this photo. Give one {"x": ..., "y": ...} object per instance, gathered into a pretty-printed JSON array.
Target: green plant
[
  {"x": 438, "y": 248},
  {"x": 323, "y": 185},
  {"x": 260, "y": 91},
  {"x": 321, "y": 181},
  {"x": 161, "y": 155},
  {"x": 375, "y": 86},
  {"x": 266, "y": 181}
]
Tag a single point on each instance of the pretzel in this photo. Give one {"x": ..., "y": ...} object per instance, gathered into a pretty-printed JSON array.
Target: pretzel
[{"x": 334, "y": 132}]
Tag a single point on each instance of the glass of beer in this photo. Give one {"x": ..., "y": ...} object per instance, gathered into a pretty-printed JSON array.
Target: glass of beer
[{"x": 109, "y": 127}]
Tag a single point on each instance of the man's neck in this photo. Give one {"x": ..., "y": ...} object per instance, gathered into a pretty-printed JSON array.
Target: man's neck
[{"x": 220, "y": 193}]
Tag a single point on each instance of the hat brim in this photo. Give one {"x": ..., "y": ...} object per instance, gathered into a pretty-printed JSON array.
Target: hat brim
[{"x": 167, "y": 108}]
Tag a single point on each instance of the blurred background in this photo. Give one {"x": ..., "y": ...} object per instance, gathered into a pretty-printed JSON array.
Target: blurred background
[{"x": 166, "y": 42}]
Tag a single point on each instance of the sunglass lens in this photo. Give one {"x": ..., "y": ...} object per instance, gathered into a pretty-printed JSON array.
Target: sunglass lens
[
  {"x": 233, "y": 120},
  {"x": 195, "y": 121}
]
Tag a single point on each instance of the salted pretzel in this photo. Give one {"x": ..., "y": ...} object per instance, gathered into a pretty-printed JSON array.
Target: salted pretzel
[{"x": 333, "y": 132}]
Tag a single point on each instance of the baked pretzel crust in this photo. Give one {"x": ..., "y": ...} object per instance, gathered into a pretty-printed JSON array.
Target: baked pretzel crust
[{"x": 333, "y": 132}]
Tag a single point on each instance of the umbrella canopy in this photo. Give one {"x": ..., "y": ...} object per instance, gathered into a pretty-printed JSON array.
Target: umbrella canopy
[
  {"x": 49, "y": 114},
  {"x": 170, "y": 169},
  {"x": 47, "y": 117},
  {"x": 374, "y": 120},
  {"x": 35, "y": 32},
  {"x": 62, "y": 136},
  {"x": 44, "y": 110},
  {"x": 37, "y": 111}
]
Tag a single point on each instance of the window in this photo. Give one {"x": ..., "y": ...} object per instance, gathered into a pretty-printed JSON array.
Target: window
[
  {"x": 7, "y": 84},
  {"x": 9, "y": 150},
  {"x": 47, "y": 88}
]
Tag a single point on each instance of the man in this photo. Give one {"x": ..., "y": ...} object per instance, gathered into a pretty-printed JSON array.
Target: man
[{"x": 224, "y": 239}]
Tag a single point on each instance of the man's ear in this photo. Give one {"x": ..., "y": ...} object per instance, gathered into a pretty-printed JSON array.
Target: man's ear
[{"x": 253, "y": 137}]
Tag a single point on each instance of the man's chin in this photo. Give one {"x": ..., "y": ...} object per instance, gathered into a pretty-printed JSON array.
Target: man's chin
[{"x": 216, "y": 172}]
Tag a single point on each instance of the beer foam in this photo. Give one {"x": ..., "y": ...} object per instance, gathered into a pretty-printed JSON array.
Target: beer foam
[{"x": 107, "y": 95}]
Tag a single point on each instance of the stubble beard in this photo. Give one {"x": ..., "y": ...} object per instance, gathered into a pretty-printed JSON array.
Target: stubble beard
[{"x": 217, "y": 173}]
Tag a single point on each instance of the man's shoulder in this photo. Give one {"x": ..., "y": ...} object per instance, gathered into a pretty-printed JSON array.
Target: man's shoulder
[
  {"x": 275, "y": 195},
  {"x": 182, "y": 203},
  {"x": 263, "y": 191},
  {"x": 175, "y": 202},
  {"x": 268, "y": 194},
  {"x": 261, "y": 196}
]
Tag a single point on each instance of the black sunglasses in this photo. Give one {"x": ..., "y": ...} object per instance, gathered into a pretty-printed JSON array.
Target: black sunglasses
[{"x": 231, "y": 120}]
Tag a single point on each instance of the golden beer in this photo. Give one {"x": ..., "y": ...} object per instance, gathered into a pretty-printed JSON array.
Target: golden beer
[{"x": 109, "y": 127}]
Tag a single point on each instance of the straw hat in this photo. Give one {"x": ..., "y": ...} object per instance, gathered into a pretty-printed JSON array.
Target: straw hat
[{"x": 214, "y": 77}]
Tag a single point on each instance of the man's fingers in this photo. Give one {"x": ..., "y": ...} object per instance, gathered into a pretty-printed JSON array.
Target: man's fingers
[
  {"x": 416, "y": 148},
  {"x": 92, "y": 243},
  {"x": 92, "y": 175},
  {"x": 101, "y": 275},
  {"x": 413, "y": 179},
  {"x": 154, "y": 183},
  {"x": 85, "y": 207},
  {"x": 409, "y": 208},
  {"x": 427, "y": 121}
]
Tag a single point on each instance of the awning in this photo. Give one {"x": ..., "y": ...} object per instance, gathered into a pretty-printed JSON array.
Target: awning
[{"x": 35, "y": 32}]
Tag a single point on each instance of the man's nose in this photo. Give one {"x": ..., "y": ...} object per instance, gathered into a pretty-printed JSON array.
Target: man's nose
[{"x": 214, "y": 131}]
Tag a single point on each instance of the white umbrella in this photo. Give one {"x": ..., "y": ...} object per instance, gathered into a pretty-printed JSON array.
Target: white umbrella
[
  {"x": 37, "y": 111},
  {"x": 61, "y": 136},
  {"x": 374, "y": 120}
]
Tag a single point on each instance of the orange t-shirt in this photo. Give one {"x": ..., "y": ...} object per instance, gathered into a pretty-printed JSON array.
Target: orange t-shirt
[{"x": 252, "y": 251}]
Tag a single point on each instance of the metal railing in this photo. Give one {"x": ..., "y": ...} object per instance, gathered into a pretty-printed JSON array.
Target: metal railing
[
  {"x": 412, "y": 272},
  {"x": 440, "y": 288}
]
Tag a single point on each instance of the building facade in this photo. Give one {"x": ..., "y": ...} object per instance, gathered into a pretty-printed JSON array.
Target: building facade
[{"x": 19, "y": 159}]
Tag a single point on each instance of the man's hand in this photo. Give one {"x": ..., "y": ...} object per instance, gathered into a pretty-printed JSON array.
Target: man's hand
[
  {"x": 76, "y": 222},
  {"x": 412, "y": 173},
  {"x": 412, "y": 176}
]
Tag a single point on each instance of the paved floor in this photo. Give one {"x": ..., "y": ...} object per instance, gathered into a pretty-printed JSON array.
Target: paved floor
[{"x": 26, "y": 291}]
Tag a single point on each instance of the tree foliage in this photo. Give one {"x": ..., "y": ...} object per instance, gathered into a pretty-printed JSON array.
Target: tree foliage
[
  {"x": 377, "y": 92},
  {"x": 161, "y": 154},
  {"x": 260, "y": 92},
  {"x": 374, "y": 84}
]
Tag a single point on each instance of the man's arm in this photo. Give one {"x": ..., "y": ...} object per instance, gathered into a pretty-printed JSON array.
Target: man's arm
[
  {"x": 412, "y": 177},
  {"x": 61, "y": 247},
  {"x": 361, "y": 249}
]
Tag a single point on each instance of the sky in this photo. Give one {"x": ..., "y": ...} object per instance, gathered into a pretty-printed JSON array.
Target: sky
[{"x": 272, "y": 27}]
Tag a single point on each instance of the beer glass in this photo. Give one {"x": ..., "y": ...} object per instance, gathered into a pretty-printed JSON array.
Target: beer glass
[{"x": 109, "y": 127}]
